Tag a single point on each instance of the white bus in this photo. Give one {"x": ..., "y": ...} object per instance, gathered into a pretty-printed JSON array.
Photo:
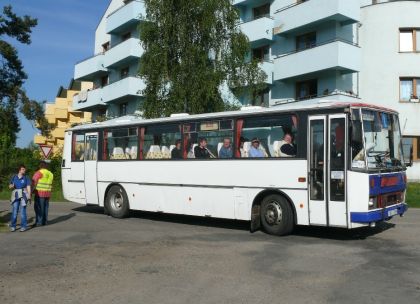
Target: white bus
[{"x": 343, "y": 168}]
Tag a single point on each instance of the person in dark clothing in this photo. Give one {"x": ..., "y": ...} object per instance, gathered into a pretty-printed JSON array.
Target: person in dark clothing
[
  {"x": 176, "y": 152},
  {"x": 287, "y": 148},
  {"x": 201, "y": 150}
]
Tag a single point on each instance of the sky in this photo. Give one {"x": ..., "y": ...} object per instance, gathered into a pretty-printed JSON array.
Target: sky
[{"x": 65, "y": 35}]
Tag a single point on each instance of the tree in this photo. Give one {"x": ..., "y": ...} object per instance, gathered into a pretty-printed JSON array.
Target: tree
[
  {"x": 192, "y": 49},
  {"x": 13, "y": 98}
]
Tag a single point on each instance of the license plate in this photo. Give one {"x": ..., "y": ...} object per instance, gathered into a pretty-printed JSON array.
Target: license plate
[{"x": 392, "y": 212}]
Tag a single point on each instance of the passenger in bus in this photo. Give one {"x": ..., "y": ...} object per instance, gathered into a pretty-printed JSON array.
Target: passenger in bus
[
  {"x": 201, "y": 150},
  {"x": 287, "y": 149},
  {"x": 226, "y": 150},
  {"x": 241, "y": 149},
  {"x": 176, "y": 152},
  {"x": 255, "y": 150}
]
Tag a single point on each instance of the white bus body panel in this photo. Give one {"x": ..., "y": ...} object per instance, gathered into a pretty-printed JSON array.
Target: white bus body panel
[
  {"x": 357, "y": 200},
  {"x": 204, "y": 188}
]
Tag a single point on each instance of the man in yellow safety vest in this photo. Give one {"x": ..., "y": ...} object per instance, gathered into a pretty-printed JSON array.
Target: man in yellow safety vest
[{"x": 42, "y": 185}]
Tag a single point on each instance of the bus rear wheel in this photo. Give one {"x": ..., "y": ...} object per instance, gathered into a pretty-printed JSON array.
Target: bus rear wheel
[
  {"x": 276, "y": 215},
  {"x": 116, "y": 202}
]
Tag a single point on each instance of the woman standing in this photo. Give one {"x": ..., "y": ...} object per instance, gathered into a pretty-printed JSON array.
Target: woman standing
[{"x": 21, "y": 195}]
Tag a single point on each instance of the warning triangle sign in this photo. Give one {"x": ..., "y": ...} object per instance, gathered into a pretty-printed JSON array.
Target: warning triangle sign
[{"x": 46, "y": 150}]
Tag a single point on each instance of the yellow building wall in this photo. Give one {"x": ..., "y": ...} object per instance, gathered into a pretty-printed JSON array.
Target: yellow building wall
[{"x": 62, "y": 116}]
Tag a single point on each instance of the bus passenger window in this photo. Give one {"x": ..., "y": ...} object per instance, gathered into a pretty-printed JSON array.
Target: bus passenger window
[
  {"x": 78, "y": 153},
  {"x": 276, "y": 135},
  {"x": 160, "y": 140},
  {"x": 121, "y": 144},
  {"x": 337, "y": 158}
]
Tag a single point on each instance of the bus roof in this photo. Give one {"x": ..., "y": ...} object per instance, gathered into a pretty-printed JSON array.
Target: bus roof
[{"x": 287, "y": 107}]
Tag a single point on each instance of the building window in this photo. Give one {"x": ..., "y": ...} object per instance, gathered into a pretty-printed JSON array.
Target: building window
[
  {"x": 123, "y": 109},
  {"x": 409, "y": 89},
  {"x": 409, "y": 40},
  {"x": 411, "y": 144},
  {"x": 104, "y": 81},
  {"x": 306, "y": 41},
  {"x": 125, "y": 36},
  {"x": 105, "y": 47},
  {"x": 261, "y": 98},
  {"x": 261, "y": 53},
  {"x": 124, "y": 72},
  {"x": 261, "y": 11},
  {"x": 306, "y": 89}
]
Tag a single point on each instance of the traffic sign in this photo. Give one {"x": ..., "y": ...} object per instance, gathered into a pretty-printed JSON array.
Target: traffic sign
[{"x": 46, "y": 150}]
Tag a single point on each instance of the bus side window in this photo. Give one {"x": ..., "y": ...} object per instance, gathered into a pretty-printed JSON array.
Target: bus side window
[
  {"x": 78, "y": 147},
  {"x": 276, "y": 135},
  {"x": 121, "y": 144},
  {"x": 159, "y": 141}
]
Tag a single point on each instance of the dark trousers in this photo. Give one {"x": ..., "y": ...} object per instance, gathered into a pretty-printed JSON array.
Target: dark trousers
[{"x": 41, "y": 206}]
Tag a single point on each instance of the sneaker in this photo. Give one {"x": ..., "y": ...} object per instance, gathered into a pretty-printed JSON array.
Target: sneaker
[
  {"x": 22, "y": 229},
  {"x": 12, "y": 229}
]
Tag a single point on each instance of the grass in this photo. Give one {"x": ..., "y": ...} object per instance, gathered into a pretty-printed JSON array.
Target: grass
[{"x": 413, "y": 195}]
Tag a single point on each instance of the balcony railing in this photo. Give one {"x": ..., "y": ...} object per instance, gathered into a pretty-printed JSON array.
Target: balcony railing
[
  {"x": 290, "y": 6},
  {"x": 315, "y": 45}
]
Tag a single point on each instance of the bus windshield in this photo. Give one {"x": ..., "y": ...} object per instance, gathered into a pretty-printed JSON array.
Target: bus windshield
[{"x": 376, "y": 140}]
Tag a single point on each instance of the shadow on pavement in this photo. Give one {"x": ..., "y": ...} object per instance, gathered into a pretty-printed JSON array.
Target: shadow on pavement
[
  {"x": 62, "y": 218},
  {"x": 341, "y": 234}
]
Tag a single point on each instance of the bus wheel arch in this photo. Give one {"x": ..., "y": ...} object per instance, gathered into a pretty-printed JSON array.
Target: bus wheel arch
[
  {"x": 257, "y": 204},
  {"x": 116, "y": 201}
]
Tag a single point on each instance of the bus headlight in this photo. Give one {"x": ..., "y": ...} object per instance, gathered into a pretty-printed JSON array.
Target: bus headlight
[{"x": 372, "y": 203}]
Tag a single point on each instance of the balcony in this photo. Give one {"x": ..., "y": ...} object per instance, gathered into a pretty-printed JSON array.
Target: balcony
[
  {"x": 86, "y": 100},
  {"x": 268, "y": 68},
  {"x": 122, "y": 53},
  {"x": 335, "y": 55},
  {"x": 307, "y": 14},
  {"x": 130, "y": 86},
  {"x": 89, "y": 69},
  {"x": 247, "y": 2},
  {"x": 125, "y": 17},
  {"x": 258, "y": 30}
]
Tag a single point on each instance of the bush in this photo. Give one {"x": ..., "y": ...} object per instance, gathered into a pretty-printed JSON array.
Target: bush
[{"x": 30, "y": 157}]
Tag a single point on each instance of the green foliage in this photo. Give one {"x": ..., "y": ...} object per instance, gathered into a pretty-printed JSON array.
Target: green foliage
[
  {"x": 192, "y": 48},
  {"x": 30, "y": 157},
  {"x": 413, "y": 195},
  {"x": 12, "y": 76}
]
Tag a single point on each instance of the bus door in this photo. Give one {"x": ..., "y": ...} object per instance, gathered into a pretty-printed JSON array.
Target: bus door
[
  {"x": 91, "y": 161},
  {"x": 337, "y": 164},
  {"x": 327, "y": 146},
  {"x": 317, "y": 154}
]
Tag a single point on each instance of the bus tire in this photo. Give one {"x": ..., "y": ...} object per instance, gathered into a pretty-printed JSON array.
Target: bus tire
[
  {"x": 276, "y": 215},
  {"x": 116, "y": 202}
]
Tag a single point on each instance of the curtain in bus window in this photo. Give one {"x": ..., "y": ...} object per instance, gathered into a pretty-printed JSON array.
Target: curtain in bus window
[
  {"x": 122, "y": 144},
  {"x": 276, "y": 135},
  {"x": 160, "y": 140},
  {"x": 78, "y": 147},
  {"x": 337, "y": 159}
]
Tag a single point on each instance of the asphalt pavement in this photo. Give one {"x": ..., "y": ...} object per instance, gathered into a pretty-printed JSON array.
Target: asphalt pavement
[{"x": 84, "y": 256}]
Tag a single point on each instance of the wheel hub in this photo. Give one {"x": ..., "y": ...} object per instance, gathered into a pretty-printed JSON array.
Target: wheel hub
[
  {"x": 117, "y": 201},
  {"x": 273, "y": 214}
]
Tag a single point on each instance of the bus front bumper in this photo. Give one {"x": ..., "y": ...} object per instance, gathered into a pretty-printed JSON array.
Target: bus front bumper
[{"x": 378, "y": 214}]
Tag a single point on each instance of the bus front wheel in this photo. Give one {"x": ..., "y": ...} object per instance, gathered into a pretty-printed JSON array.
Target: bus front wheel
[
  {"x": 117, "y": 202},
  {"x": 276, "y": 215}
]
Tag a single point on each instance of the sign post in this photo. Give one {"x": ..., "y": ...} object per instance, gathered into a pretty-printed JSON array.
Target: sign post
[{"x": 46, "y": 150}]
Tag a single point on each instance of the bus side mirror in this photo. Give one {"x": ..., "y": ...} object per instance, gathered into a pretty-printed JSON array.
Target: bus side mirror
[{"x": 410, "y": 162}]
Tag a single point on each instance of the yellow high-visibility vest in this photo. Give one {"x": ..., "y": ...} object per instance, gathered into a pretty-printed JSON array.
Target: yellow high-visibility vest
[{"x": 45, "y": 182}]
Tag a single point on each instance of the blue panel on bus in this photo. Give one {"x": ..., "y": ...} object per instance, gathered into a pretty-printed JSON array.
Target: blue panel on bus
[
  {"x": 378, "y": 215},
  {"x": 387, "y": 183}
]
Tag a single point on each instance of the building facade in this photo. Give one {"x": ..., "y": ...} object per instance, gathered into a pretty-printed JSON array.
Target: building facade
[
  {"x": 62, "y": 115},
  {"x": 348, "y": 50}
]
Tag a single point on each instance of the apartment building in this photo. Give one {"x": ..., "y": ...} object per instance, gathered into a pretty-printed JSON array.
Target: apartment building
[
  {"x": 62, "y": 115},
  {"x": 346, "y": 50},
  {"x": 114, "y": 66}
]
